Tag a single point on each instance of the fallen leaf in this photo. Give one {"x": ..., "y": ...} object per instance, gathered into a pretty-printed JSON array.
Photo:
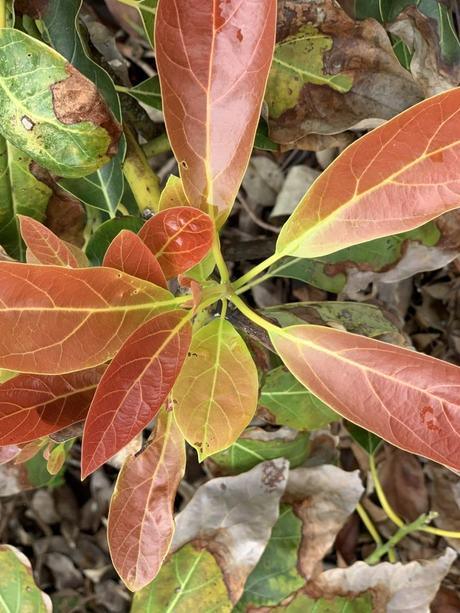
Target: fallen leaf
[
  {"x": 263, "y": 181},
  {"x": 298, "y": 180},
  {"x": 233, "y": 517}
]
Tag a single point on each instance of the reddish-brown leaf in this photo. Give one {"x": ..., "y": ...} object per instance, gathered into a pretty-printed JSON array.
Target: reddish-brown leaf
[
  {"x": 32, "y": 406},
  {"x": 394, "y": 179},
  {"x": 213, "y": 60},
  {"x": 179, "y": 237},
  {"x": 141, "y": 523},
  {"x": 128, "y": 253},
  {"x": 55, "y": 320},
  {"x": 43, "y": 246},
  {"x": 409, "y": 399},
  {"x": 134, "y": 386}
]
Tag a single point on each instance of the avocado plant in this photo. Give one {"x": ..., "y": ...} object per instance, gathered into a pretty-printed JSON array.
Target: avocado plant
[{"x": 146, "y": 335}]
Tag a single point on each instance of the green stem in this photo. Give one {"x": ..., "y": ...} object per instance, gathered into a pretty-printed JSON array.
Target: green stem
[
  {"x": 381, "y": 494},
  {"x": 250, "y": 314},
  {"x": 135, "y": 4},
  {"x": 367, "y": 521},
  {"x": 157, "y": 145},
  {"x": 402, "y": 532},
  {"x": 244, "y": 280},
  {"x": 143, "y": 182},
  {"x": 218, "y": 257}
]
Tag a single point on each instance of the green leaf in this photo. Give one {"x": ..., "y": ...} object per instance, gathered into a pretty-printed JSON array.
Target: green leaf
[
  {"x": 330, "y": 272},
  {"x": 304, "y": 604},
  {"x": 106, "y": 232},
  {"x": 401, "y": 50},
  {"x": 148, "y": 92},
  {"x": 20, "y": 193},
  {"x": 257, "y": 445},
  {"x": 18, "y": 591},
  {"x": 357, "y": 317},
  {"x": 190, "y": 580},
  {"x": 292, "y": 404},
  {"x": 37, "y": 471},
  {"x": 369, "y": 441},
  {"x": 147, "y": 9},
  {"x": 263, "y": 140},
  {"x": 36, "y": 115},
  {"x": 104, "y": 188},
  {"x": 276, "y": 576},
  {"x": 299, "y": 59}
]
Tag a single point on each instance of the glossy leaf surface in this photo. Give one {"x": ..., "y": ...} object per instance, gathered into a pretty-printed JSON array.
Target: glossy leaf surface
[
  {"x": 179, "y": 237},
  {"x": 213, "y": 60},
  {"x": 129, "y": 253},
  {"x": 409, "y": 399},
  {"x": 134, "y": 386},
  {"x": 55, "y": 320},
  {"x": 32, "y": 406},
  {"x": 56, "y": 115},
  {"x": 394, "y": 179},
  {"x": 18, "y": 591},
  {"x": 44, "y": 247},
  {"x": 215, "y": 396},
  {"x": 141, "y": 521}
]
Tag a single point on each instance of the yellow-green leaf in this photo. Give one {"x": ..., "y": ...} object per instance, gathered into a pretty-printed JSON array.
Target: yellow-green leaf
[{"x": 223, "y": 377}]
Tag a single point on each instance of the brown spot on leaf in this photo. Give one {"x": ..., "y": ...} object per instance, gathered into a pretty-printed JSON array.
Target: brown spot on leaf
[
  {"x": 428, "y": 418},
  {"x": 76, "y": 99},
  {"x": 272, "y": 475}
]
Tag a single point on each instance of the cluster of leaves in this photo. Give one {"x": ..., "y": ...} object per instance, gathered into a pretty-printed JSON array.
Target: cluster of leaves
[{"x": 143, "y": 332}]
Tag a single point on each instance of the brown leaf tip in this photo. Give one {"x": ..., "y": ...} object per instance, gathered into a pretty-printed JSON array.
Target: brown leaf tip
[{"x": 76, "y": 99}]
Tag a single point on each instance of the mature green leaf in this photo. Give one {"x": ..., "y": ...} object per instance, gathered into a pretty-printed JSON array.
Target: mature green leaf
[
  {"x": 148, "y": 92},
  {"x": 147, "y": 9},
  {"x": 276, "y": 575},
  {"x": 369, "y": 441},
  {"x": 304, "y": 604},
  {"x": 257, "y": 445},
  {"x": 330, "y": 272},
  {"x": 292, "y": 404},
  {"x": 20, "y": 193},
  {"x": 56, "y": 115},
  {"x": 190, "y": 580},
  {"x": 104, "y": 188},
  {"x": 18, "y": 591},
  {"x": 106, "y": 232}
]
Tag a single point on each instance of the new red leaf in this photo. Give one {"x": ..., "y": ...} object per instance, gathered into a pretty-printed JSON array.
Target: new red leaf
[
  {"x": 394, "y": 179},
  {"x": 128, "y": 253},
  {"x": 32, "y": 406},
  {"x": 135, "y": 386},
  {"x": 409, "y": 399},
  {"x": 55, "y": 320},
  {"x": 44, "y": 246},
  {"x": 213, "y": 60},
  {"x": 141, "y": 523},
  {"x": 179, "y": 238}
]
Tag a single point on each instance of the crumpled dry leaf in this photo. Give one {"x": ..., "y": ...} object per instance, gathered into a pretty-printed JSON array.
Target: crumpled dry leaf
[
  {"x": 298, "y": 180},
  {"x": 420, "y": 35},
  {"x": 444, "y": 487},
  {"x": 397, "y": 588},
  {"x": 323, "y": 497},
  {"x": 333, "y": 73},
  {"x": 233, "y": 517},
  {"x": 263, "y": 180}
]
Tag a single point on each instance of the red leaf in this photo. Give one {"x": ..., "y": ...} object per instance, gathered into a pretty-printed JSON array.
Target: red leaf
[
  {"x": 128, "y": 253},
  {"x": 141, "y": 523},
  {"x": 32, "y": 406},
  {"x": 179, "y": 237},
  {"x": 213, "y": 60},
  {"x": 409, "y": 399},
  {"x": 134, "y": 386},
  {"x": 394, "y": 179},
  {"x": 44, "y": 246},
  {"x": 55, "y": 320}
]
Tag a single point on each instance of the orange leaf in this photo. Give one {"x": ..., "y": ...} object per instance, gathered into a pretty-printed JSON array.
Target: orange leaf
[
  {"x": 55, "y": 320},
  {"x": 141, "y": 524},
  {"x": 409, "y": 399},
  {"x": 44, "y": 246},
  {"x": 32, "y": 406},
  {"x": 394, "y": 179},
  {"x": 213, "y": 60},
  {"x": 179, "y": 237},
  {"x": 215, "y": 396},
  {"x": 134, "y": 386},
  {"x": 128, "y": 253}
]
